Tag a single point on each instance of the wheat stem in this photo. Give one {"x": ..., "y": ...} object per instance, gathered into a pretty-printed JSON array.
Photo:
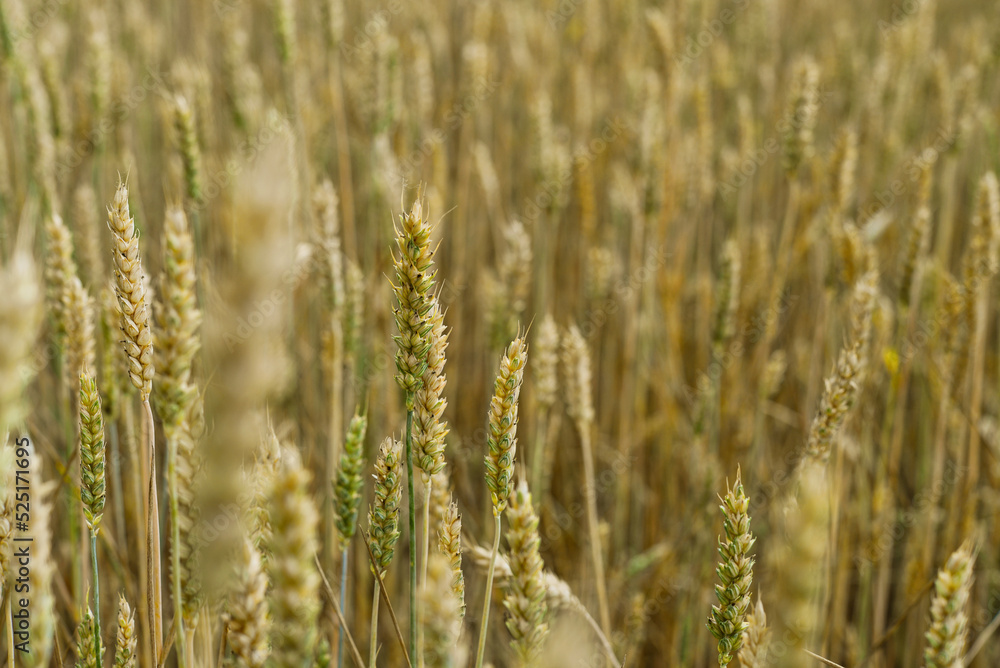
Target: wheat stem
[
  {"x": 489, "y": 591},
  {"x": 97, "y": 598},
  {"x": 343, "y": 595},
  {"x": 373, "y": 643},
  {"x": 413, "y": 523},
  {"x": 175, "y": 554}
]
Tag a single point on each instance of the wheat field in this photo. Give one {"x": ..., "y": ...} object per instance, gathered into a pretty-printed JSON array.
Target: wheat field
[{"x": 530, "y": 334}]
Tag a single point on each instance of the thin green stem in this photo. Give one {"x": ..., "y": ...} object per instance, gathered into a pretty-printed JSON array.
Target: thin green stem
[
  {"x": 423, "y": 563},
  {"x": 489, "y": 592},
  {"x": 413, "y": 523},
  {"x": 175, "y": 553},
  {"x": 97, "y": 598},
  {"x": 373, "y": 643},
  {"x": 343, "y": 590}
]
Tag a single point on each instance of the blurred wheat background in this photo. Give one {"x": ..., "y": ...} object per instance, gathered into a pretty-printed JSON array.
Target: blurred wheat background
[{"x": 275, "y": 274}]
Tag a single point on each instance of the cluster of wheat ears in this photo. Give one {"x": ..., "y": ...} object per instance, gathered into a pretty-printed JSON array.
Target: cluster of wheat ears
[{"x": 259, "y": 408}]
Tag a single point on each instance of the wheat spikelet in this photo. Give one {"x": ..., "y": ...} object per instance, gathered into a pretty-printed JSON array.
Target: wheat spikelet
[
  {"x": 502, "y": 428},
  {"x": 414, "y": 279},
  {"x": 177, "y": 320},
  {"x": 347, "y": 484},
  {"x": 806, "y": 516},
  {"x": 331, "y": 258},
  {"x": 442, "y": 619},
  {"x": 60, "y": 269},
  {"x": 450, "y": 545},
  {"x": 91, "y": 452},
  {"x": 383, "y": 515},
  {"x": 546, "y": 362},
  {"x": 131, "y": 293},
  {"x": 294, "y": 596},
  {"x": 126, "y": 640},
  {"x": 187, "y": 142},
  {"x": 727, "y": 622},
  {"x": 728, "y": 297},
  {"x": 85, "y": 650},
  {"x": 948, "y": 630},
  {"x": 577, "y": 372},
  {"x": 525, "y": 592},
  {"x": 247, "y": 621},
  {"x": 429, "y": 429},
  {"x": 20, "y": 317},
  {"x": 803, "y": 104},
  {"x": 189, "y": 476},
  {"x": 354, "y": 307},
  {"x": 753, "y": 653},
  {"x": 79, "y": 307},
  {"x": 840, "y": 390}
]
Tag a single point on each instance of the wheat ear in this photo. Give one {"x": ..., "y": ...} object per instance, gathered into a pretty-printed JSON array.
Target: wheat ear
[
  {"x": 502, "y": 448},
  {"x": 126, "y": 640},
  {"x": 727, "y": 622},
  {"x": 949, "y": 630},
  {"x": 525, "y": 592},
  {"x": 247, "y": 621},
  {"x": 383, "y": 523},
  {"x": 294, "y": 599},
  {"x": 92, "y": 491}
]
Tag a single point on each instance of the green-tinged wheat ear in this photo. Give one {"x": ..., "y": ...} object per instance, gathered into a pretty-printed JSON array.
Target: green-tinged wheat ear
[
  {"x": 803, "y": 103},
  {"x": 727, "y": 622},
  {"x": 949, "y": 624},
  {"x": 429, "y": 429},
  {"x": 20, "y": 317},
  {"x": 383, "y": 515},
  {"x": 728, "y": 297},
  {"x": 414, "y": 266},
  {"x": 92, "y": 491},
  {"x": 177, "y": 320},
  {"x": 354, "y": 307},
  {"x": 247, "y": 620},
  {"x": 753, "y": 653},
  {"x": 524, "y": 595},
  {"x": 187, "y": 143},
  {"x": 502, "y": 427},
  {"x": 546, "y": 363},
  {"x": 294, "y": 595},
  {"x": 450, "y": 545},
  {"x": 441, "y": 620},
  {"x": 348, "y": 484},
  {"x": 85, "y": 650},
  {"x": 126, "y": 641},
  {"x": 131, "y": 292}
]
